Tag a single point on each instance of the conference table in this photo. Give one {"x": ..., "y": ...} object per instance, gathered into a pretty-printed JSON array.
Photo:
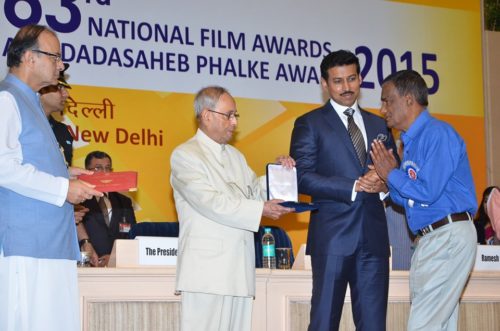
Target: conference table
[{"x": 144, "y": 298}]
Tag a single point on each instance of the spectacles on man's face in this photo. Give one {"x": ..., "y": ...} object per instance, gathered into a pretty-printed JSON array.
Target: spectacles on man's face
[
  {"x": 230, "y": 115},
  {"x": 55, "y": 57},
  {"x": 100, "y": 168}
]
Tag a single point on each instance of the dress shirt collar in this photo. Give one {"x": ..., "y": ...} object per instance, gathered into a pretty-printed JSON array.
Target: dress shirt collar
[
  {"x": 32, "y": 95},
  {"x": 358, "y": 119},
  {"x": 416, "y": 127},
  {"x": 340, "y": 109}
]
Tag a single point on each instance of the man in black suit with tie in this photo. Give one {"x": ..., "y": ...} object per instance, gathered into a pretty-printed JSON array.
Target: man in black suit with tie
[
  {"x": 109, "y": 217},
  {"x": 347, "y": 236}
]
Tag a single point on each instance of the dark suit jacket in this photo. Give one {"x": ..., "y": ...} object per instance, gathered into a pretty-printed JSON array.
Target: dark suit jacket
[
  {"x": 64, "y": 138},
  {"x": 327, "y": 167},
  {"x": 102, "y": 237}
]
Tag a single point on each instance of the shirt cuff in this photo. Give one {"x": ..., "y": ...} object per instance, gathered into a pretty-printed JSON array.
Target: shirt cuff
[
  {"x": 383, "y": 195},
  {"x": 63, "y": 191},
  {"x": 354, "y": 193}
]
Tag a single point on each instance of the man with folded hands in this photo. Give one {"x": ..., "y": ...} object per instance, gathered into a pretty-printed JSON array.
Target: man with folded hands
[{"x": 434, "y": 184}]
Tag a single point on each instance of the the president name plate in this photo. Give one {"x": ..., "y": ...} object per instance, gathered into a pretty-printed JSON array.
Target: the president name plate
[{"x": 157, "y": 250}]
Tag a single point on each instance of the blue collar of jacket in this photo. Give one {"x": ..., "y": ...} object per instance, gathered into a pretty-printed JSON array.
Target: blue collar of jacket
[{"x": 26, "y": 90}]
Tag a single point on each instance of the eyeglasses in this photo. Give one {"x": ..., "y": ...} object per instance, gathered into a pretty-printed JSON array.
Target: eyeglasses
[
  {"x": 229, "y": 115},
  {"x": 102, "y": 169},
  {"x": 56, "y": 57}
]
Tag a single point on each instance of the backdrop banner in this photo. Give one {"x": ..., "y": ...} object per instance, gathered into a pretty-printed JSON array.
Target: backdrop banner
[{"x": 135, "y": 67}]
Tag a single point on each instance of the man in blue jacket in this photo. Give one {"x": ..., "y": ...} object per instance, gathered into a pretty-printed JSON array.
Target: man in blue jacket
[{"x": 38, "y": 245}]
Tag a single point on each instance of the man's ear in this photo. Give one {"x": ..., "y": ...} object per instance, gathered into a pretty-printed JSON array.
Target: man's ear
[
  {"x": 204, "y": 115},
  {"x": 27, "y": 57},
  {"x": 324, "y": 84},
  {"x": 410, "y": 99}
]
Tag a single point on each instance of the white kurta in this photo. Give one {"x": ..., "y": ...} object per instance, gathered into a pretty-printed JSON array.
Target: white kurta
[
  {"x": 35, "y": 294},
  {"x": 219, "y": 204}
]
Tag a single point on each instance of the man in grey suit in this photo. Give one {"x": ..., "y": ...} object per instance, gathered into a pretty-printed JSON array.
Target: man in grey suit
[{"x": 220, "y": 203}]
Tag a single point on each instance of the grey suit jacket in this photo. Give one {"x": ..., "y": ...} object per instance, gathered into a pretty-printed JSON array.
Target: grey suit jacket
[{"x": 219, "y": 206}]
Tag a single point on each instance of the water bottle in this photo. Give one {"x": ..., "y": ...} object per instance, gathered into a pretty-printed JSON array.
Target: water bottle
[{"x": 268, "y": 251}]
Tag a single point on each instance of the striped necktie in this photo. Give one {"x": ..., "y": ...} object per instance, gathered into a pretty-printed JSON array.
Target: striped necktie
[
  {"x": 104, "y": 209},
  {"x": 356, "y": 136}
]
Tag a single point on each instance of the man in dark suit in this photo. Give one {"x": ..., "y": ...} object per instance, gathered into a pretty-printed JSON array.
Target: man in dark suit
[
  {"x": 347, "y": 236},
  {"x": 109, "y": 217}
]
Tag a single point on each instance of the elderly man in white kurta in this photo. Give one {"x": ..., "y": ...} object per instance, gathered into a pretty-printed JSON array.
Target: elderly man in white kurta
[{"x": 219, "y": 202}]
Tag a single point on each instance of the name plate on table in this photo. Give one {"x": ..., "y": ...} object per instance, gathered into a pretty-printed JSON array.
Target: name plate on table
[
  {"x": 157, "y": 250},
  {"x": 487, "y": 258},
  {"x": 282, "y": 184},
  {"x": 127, "y": 253}
]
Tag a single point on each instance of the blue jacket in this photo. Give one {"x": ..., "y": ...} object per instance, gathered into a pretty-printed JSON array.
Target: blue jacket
[{"x": 30, "y": 227}]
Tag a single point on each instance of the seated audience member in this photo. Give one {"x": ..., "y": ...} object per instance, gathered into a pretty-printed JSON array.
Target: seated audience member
[
  {"x": 485, "y": 232},
  {"x": 109, "y": 217}
]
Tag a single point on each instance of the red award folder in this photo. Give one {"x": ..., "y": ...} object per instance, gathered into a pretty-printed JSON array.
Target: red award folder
[{"x": 112, "y": 181}]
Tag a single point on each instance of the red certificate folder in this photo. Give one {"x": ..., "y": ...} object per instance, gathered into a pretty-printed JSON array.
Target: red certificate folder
[{"x": 112, "y": 181}]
